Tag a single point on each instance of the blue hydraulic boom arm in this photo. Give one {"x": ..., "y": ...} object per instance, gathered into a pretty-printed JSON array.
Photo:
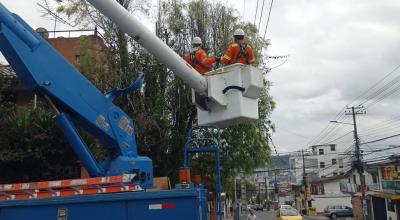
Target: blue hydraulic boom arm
[{"x": 76, "y": 100}]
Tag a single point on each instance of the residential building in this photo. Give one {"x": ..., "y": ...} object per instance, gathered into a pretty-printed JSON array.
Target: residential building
[
  {"x": 330, "y": 161},
  {"x": 74, "y": 49},
  {"x": 382, "y": 190},
  {"x": 327, "y": 191},
  {"x": 323, "y": 161},
  {"x": 326, "y": 170}
]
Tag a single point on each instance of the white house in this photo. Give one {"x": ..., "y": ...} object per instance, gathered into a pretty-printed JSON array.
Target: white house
[
  {"x": 322, "y": 162},
  {"x": 327, "y": 191}
]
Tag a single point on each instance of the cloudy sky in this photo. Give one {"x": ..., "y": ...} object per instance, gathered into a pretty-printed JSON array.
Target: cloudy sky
[{"x": 338, "y": 50}]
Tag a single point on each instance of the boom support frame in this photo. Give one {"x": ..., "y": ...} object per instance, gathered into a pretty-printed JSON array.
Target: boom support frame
[{"x": 77, "y": 101}]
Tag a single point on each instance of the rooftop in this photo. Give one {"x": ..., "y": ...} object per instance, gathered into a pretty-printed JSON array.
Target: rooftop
[{"x": 6, "y": 72}]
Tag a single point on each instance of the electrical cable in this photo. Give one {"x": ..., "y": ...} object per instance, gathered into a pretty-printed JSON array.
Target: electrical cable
[
  {"x": 269, "y": 15},
  {"x": 376, "y": 84},
  {"x": 381, "y": 139},
  {"x": 262, "y": 11},
  {"x": 255, "y": 16},
  {"x": 329, "y": 142}
]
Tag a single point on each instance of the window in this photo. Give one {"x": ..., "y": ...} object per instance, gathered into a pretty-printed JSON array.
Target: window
[
  {"x": 374, "y": 178},
  {"x": 78, "y": 59},
  {"x": 292, "y": 163},
  {"x": 334, "y": 173},
  {"x": 321, "y": 164},
  {"x": 333, "y": 147},
  {"x": 337, "y": 207},
  {"x": 334, "y": 161},
  {"x": 341, "y": 173},
  {"x": 321, "y": 151},
  {"x": 354, "y": 179},
  {"x": 323, "y": 177},
  {"x": 340, "y": 163}
]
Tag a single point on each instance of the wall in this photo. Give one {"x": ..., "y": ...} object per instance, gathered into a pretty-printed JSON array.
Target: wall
[
  {"x": 390, "y": 215},
  {"x": 333, "y": 187},
  {"x": 70, "y": 47},
  {"x": 321, "y": 201}
]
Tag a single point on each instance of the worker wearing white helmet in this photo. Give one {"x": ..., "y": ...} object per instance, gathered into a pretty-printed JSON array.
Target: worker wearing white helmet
[
  {"x": 239, "y": 51},
  {"x": 198, "y": 57}
]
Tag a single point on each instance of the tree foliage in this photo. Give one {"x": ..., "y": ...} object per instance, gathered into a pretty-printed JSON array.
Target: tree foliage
[
  {"x": 32, "y": 148},
  {"x": 162, "y": 110}
]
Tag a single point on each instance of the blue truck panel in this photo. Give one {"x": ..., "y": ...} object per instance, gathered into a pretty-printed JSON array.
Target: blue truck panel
[{"x": 188, "y": 204}]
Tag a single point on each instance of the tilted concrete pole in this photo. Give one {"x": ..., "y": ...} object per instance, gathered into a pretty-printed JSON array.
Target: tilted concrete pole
[{"x": 133, "y": 27}]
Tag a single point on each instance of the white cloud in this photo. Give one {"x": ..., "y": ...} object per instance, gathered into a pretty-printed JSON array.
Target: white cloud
[{"x": 338, "y": 48}]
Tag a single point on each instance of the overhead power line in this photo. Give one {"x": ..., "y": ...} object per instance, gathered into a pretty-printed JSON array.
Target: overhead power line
[
  {"x": 381, "y": 139},
  {"x": 332, "y": 141},
  {"x": 269, "y": 15},
  {"x": 376, "y": 84},
  {"x": 244, "y": 8},
  {"x": 332, "y": 130},
  {"x": 261, "y": 15},
  {"x": 255, "y": 16},
  {"x": 327, "y": 166}
]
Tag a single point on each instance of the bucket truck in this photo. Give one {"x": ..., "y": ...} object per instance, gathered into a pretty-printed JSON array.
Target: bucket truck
[{"x": 121, "y": 187}]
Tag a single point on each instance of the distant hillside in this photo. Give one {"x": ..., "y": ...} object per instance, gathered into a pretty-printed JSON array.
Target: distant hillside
[{"x": 280, "y": 162}]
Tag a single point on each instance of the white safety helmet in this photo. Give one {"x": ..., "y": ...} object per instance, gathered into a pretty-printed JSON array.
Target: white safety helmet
[
  {"x": 238, "y": 32},
  {"x": 196, "y": 40}
]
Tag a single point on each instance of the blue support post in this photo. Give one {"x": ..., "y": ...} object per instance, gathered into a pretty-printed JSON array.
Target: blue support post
[
  {"x": 218, "y": 171},
  {"x": 207, "y": 145},
  {"x": 47, "y": 73},
  {"x": 78, "y": 145}
]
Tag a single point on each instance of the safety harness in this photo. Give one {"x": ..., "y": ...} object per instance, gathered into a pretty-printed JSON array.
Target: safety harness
[
  {"x": 243, "y": 52},
  {"x": 193, "y": 60}
]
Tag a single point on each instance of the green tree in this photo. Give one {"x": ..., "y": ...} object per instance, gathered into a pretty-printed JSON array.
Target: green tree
[
  {"x": 33, "y": 149},
  {"x": 162, "y": 110}
]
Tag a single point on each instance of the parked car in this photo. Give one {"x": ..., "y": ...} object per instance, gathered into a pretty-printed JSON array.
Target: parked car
[
  {"x": 251, "y": 206},
  {"x": 335, "y": 211},
  {"x": 288, "y": 214},
  {"x": 285, "y": 207},
  {"x": 258, "y": 207}
]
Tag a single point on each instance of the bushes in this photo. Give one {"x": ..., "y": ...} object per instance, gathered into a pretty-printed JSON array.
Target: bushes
[{"x": 32, "y": 148}]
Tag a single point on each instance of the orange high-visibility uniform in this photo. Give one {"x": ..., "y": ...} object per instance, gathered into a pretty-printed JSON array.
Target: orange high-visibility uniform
[
  {"x": 200, "y": 61},
  {"x": 235, "y": 55}
]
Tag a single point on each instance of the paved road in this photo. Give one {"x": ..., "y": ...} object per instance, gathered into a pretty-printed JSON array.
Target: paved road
[{"x": 271, "y": 215}]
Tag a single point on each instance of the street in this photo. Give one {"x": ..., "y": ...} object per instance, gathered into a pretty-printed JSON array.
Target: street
[{"x": 271, "y": 215}]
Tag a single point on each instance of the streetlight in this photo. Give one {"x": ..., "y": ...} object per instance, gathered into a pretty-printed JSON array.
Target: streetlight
[{"x": 339, "y": 122}]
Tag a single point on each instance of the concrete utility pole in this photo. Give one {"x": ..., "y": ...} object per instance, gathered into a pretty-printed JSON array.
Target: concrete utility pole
[
  {"x": 359, "y": 164},
  {"x": 304, "y": 182},
  {"x": 259, "y": 193},
  {"x": 243, "y": 189},
  {"x": 235, "y": 190},
  {"x": 275, "y": 187},
  {"x": 266, "y": 189}
]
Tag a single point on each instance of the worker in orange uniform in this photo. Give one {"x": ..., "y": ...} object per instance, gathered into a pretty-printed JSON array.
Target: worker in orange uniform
[
  {"x": 238, "y": 52},
  {"x": 198, "y": 57}
]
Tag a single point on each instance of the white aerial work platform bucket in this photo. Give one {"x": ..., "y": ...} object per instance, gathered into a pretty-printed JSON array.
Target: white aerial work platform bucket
[{"x": 232, "y": 96}]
